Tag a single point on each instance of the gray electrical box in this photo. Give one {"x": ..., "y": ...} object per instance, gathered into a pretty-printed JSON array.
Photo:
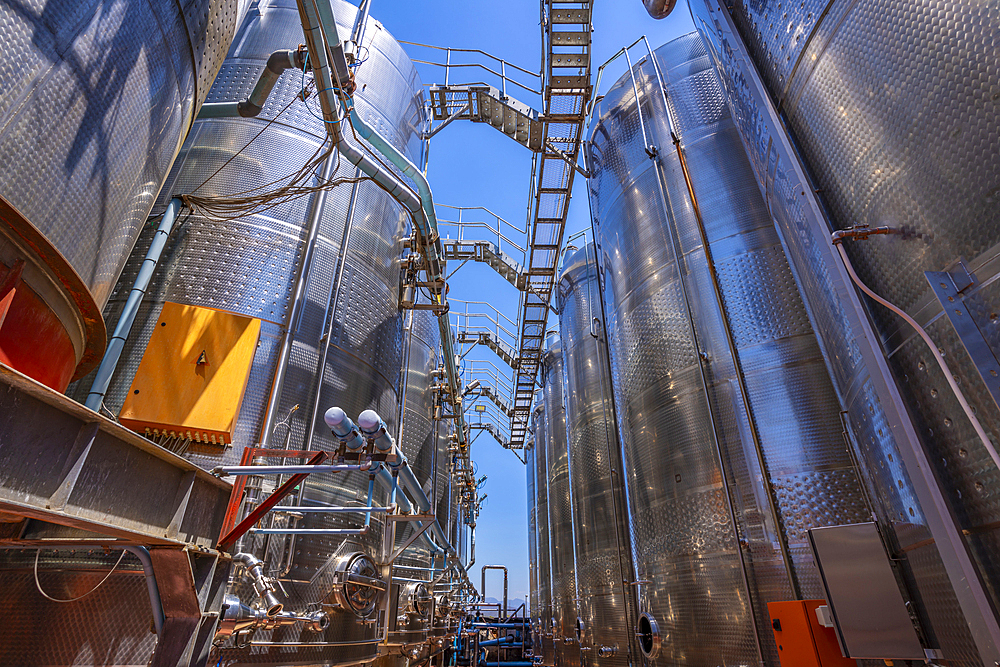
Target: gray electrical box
[{"x": 868, "y": 610}]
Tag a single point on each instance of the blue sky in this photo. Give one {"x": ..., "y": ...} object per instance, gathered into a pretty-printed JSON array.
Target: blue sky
[{"x": 475, "y": 165}]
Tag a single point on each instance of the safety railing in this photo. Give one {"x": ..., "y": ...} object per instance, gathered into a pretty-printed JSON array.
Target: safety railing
[
  {"x": 475, "y": 317},
  {"x": 478, "y": 223},
  {"x": 473, "y": 59},
  {"x": 499, "y": 379}
]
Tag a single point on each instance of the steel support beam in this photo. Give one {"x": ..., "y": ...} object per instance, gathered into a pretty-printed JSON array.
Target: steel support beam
[{"x": 65, "y": 464}]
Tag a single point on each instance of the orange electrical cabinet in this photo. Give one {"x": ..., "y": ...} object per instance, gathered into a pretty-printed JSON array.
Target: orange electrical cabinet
[
  {"x": 801, "y": 640},
  {"x": 192, "y": 377}
]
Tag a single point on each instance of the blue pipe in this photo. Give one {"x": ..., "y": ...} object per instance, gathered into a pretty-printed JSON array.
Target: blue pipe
[
  {"x": 374, "y": 428},
  {"x": 502, "y": 641},
  {"x": 371, "y": 490},
  {"x": 343, "y": 428},
  {"x": 113, "y": 354}
]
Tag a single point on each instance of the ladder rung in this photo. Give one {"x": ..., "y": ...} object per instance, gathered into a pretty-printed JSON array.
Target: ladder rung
[
  {"x": 570, "y": 38},
  {"x": 564, "y": 16}
]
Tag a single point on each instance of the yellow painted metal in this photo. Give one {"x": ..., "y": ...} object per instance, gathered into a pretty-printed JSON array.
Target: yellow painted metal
[{"x": 193, "y": 375}]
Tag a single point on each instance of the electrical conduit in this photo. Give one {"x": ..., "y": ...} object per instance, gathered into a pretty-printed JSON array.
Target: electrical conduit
[{"x": 99, "y": 388}]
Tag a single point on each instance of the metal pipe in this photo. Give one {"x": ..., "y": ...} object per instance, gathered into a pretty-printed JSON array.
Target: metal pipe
[
  {"x": 374, "y": 428},
  {"x": 316, "y": 38},
  {"x": 342, "y": 427},
  {"x": 503, "y": 613},
  {"x": 472, "y": 547},
  {"x": 277, "y": 63},
  {"x": 331, "y": 510},
  {"x": 371, "y": 492},
  {"x": 142, "y": 553},
  {"x": 938, "y": 357},
  {"x": 361, "y": 22},
  {"x": 508, "y": 640},
  {"x": 422, "y": 209},
  {"x": 309, "y": 531},
  {"x": 99, "y": 388},
  {"x": 285, "y": 470},
  {"x": 262, "y": 584},
  {"x": 433, "y": 251},
  {"x": 313, "y": 34}
]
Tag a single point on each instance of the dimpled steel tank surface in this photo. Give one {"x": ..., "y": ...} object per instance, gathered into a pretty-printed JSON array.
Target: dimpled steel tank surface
[
  {"x": 95, "y": 99},
  {"x": 419, "y": 439},
  {"x": 566, "y": 645},
  {"x": 543, "y": 547},
  {"x": 730, "y": 422},
  {"x": 347, "y": 342},
  {"x": 600, "y": 518},
  {"x": 891, "y": 108}
]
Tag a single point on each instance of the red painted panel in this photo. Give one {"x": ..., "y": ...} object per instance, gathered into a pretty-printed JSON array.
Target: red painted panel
[{"x": 34, "y": 341}]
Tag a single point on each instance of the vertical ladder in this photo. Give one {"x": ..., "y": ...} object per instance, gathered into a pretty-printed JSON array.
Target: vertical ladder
[{"x": 566, "y": 37}]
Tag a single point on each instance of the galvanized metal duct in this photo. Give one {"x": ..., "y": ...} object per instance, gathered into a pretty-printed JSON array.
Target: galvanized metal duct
[
  {"x": 600, "y": 515},
  {"x": 560, "y": 506},
  {"x": 891, "y": 132},
  {"x": 729, "y": 421}
]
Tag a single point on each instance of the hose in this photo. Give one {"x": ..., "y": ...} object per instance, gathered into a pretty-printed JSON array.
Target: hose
[
  {"x": 949, "y": 376},
  {"x": 45, "y": 595}
]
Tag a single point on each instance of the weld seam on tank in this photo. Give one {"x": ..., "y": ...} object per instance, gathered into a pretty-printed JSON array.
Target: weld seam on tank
[{"x": 730, "y": 340}]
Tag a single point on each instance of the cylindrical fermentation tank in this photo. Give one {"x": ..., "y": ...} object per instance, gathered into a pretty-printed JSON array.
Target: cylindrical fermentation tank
[
  {"x": 418, "y": 436},
  {"x": 600, "y": 515},
  {"x": 729, "y": 421},
  {"x": 95, "y": 100},
  {"x": 543, "y": 557},
  {"x": 532, "y": 611},
  {"x": 346, "y": 342},
  {"x": 892, "y": 110},
  {"x": 563, "y": 558}
]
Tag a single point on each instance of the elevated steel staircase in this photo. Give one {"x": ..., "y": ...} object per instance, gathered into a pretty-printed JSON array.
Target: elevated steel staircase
[
  {"x": 487, "y": 253},
  {"x": 490, "y": 393},
  {"x": 554, "y": 135},
  {"x": 492, "y": 341},
  {"x": 493, "y": 430},
  {"x": 487, "y": 104}
]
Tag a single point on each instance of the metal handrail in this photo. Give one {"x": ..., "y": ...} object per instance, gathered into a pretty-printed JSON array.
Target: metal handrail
[
  {"x": 502, "y": 74},
  {"x": 502, "y": 385},
  {"x": 478, "y": 224},
  {"x": 453, "y": 49},
  {"x": 467, "y": 321}
]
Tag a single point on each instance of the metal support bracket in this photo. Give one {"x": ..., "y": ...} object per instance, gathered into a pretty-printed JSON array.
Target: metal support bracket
[
  {"x": 413, "y": 538},
  {"x": 950, "y": 288}
]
